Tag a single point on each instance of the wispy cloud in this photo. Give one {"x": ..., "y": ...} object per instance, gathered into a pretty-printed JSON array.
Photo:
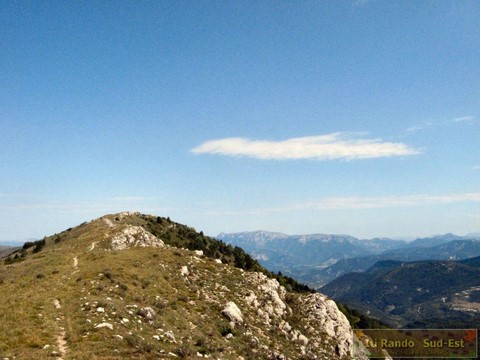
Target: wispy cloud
[
  {"x": 438, "y": 124},
  {"x": 420, "y": 127},
  {"x": 361, "y": 203},
  {"x": 324, "y": 147},
  {"x": 464, "y": 119},
  {"x": 386, "y": 201}
]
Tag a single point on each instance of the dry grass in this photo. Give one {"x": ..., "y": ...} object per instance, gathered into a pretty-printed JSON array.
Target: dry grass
[{"x": 122, "y": 283}]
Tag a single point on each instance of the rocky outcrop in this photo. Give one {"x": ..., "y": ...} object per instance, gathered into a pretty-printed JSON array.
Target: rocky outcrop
[
  {"x": 322, "y": 325},
  {"x": 323, "y": 313},
  {"x": 133, "y": 236}
]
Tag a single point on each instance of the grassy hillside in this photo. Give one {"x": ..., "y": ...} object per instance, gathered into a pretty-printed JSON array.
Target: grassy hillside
[{"x": 70, "y": 295}]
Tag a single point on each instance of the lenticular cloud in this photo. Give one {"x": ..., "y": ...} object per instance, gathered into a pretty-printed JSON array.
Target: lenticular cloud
[{"x": 323, "y": 147}]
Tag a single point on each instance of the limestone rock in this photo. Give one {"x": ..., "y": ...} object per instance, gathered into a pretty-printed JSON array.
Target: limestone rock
[
  {"x": 134, "y": 236},
  {"x": 233, "y": 313},
  {"x": 56, "y": 303},
  {"x": 184, "y": 271},
  {"x": 323, "y": 313},
  {"x": 104, "y": 325}
]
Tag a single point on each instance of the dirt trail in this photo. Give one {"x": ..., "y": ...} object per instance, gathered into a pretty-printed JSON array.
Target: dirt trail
[
  {"x": 60, "y": 340},
  {"x": 62, "y": 345},
  {"x": 92, "y": 246}
]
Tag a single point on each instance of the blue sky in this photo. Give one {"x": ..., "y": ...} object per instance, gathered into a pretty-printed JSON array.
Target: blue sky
[{"x": 355, "y": 117}]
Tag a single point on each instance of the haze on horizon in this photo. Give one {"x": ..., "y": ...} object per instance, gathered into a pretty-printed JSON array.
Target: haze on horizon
[{"x": 352, "y": 117}]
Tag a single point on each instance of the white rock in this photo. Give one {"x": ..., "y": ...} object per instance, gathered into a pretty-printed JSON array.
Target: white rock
[
  {"x": 302, "y": 339},
  {"x": 198, "y": 252},
  {"x": 233, "y": 313},
  {"x": 103, "y": 325},
  {"x": 119, "y": 337},
  {"x": 156, "y": 337},
  {"x": 56, "y": 303},
  {"x": 100, "y": 309},
  {"x": 218, "y": 261},
  {"x": 124, "y": 321},
  {"x": 135, "y": 236},
  {"x": 184, "y": 270},
  {"x": 170, "y": 336},
  {"x": 251, "y": 300},
  {"x": 324, "y": 313},
  {"x": 150, "y": 313}
]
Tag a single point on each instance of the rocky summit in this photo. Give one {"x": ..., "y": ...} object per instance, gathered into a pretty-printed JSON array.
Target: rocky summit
[{"x": 130, "y": 285}]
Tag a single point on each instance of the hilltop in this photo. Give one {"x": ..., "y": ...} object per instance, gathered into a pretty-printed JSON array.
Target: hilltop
[{"x": 130, "y": 285}]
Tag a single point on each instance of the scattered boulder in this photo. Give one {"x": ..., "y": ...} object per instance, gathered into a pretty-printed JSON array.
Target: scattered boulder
[
  {"x": 104, "y": 325},
  {"x": 302, "y": 339},
  {"x": 184, "y": 271},
  {"x": 146, "y": 312},
  {"x": 233, "y": 313},
  {"x": 170, "y": 336}
]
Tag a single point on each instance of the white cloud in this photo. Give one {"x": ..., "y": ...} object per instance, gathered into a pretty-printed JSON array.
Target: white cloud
[
  {"x": 323, "y": 147},
  {"x": 464, "y": 119}
]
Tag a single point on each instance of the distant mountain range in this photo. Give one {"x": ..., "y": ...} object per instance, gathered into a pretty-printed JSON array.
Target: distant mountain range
[
  {"x": 320, "y": 258},
  {"x": 414, "y": 294}
]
